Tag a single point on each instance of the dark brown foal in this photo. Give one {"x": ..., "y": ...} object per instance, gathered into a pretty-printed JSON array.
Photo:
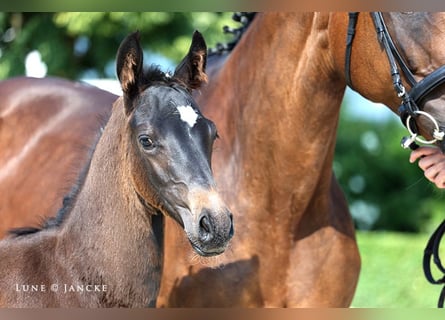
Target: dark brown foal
[{"x": 105, "y": 247}]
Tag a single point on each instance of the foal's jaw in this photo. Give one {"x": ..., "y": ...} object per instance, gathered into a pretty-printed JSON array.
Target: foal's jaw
[
  {"x": 209, "y": 228},
  {"x": 206, "y": 220}
]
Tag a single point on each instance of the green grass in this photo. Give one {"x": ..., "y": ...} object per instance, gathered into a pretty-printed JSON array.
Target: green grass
[{"x": 392, "y": 274}]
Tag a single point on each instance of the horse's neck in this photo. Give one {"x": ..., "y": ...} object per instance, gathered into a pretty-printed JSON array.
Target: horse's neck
[
  {"x": 108, "y": 230},
  {"x": 283, "y": 120}
]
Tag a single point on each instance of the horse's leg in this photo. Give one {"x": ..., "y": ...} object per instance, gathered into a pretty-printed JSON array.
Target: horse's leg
[{"x": 325, "y": 264}]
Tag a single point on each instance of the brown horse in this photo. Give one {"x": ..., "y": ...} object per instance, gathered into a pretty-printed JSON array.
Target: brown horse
[
  {"x": 46, "y": 130},
  {"x": 153, "y": 159},
  {"x": 276, "y": 100},
  {"x": 277, "y": 115}
]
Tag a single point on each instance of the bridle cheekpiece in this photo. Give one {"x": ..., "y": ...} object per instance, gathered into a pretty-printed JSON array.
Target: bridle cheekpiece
[{"x": 409, "y": 109}]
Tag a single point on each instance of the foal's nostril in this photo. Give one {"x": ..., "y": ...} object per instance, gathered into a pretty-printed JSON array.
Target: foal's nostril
[
  {"x": 232, "y": 231},
  {"x": 215, "y": 231},
  {"x": 204, "y": 223}
]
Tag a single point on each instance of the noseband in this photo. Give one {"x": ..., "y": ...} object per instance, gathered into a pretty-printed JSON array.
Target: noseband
[{"x": 409, "y": 109}]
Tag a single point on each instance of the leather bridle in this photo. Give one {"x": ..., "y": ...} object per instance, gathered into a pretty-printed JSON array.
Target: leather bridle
[
  {"x": 412, "y": 100},
  {"x": 409, "y": 110}
]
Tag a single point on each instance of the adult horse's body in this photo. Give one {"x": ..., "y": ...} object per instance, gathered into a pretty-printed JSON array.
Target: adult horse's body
[
  {"x": 275, "y": 100},
  {"x": 105, "y": 246},
  {"x": 47, "y": 128},
  {"x": 277, "y": 115}
]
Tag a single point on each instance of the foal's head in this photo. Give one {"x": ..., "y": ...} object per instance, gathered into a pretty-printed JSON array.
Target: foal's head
[{"x": 170, "y": 144}]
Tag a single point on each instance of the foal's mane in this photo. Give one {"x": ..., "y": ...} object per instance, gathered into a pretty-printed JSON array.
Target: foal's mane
[{"x": 153, "y": 75}]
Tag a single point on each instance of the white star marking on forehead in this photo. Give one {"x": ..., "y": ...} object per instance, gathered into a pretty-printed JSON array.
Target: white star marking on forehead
[{"x": 188, "y": 115}]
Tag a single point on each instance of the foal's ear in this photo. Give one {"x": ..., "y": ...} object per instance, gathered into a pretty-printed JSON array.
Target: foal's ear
[
  {"x": 129, "y": 62},
  {"x": 191, "y": 70}
]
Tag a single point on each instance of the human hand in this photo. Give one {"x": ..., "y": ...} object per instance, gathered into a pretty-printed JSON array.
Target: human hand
[{"x": 432, "y": 162}]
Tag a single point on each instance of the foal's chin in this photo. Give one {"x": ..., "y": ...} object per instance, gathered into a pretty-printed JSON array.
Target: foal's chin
[
  {"x": 203, "y": 253},
  {"x": 207, "y": 252}
]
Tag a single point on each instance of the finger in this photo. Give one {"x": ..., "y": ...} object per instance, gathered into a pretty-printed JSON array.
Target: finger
[
  {"x": 423, "y": 152},
  {"x": 439, "y": 180},
  {"x": 431, "y": 173},
  {"x": 431, "y": 160},
  {"x": 436, "y": 171}
]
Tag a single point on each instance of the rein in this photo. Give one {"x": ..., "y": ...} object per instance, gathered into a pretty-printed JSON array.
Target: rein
[
  {"x": 409, "y": 109},
  {"x": 432, "y": 251}
]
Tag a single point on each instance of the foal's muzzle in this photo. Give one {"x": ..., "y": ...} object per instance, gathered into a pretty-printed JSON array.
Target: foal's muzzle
[{"x": 214, "y": 232}]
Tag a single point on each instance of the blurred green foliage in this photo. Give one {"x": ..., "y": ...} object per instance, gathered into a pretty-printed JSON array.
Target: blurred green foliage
[
  {"x": 383, "y": 189},
  {"x": 73, "y": 44}
]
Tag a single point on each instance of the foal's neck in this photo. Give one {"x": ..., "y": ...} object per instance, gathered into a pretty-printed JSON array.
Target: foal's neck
[{"x": 114, "y": 237}]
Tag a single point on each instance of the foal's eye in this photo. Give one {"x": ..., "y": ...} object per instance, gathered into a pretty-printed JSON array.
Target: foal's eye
[{"x": 146, "y": 142}]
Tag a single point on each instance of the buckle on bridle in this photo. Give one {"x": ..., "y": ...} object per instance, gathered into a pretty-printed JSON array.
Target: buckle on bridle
[{"x": 410, "y": 141}]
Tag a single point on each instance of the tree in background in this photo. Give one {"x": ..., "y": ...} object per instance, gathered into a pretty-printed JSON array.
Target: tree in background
[
  {"x": 384, "y": 190},
  {"x": 83, "y": 44}
]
